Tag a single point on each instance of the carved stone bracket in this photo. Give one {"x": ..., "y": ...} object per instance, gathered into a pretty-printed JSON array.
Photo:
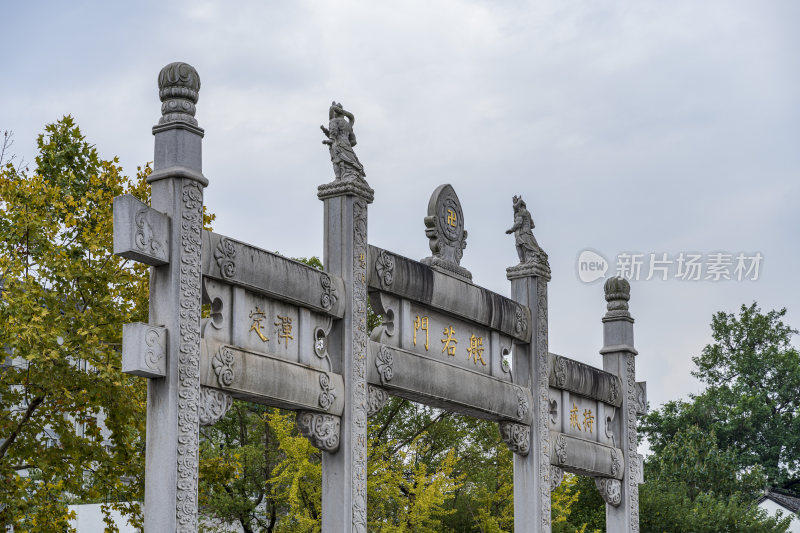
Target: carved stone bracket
[
  {"x": 223, "y": 366},
  {"x": 213, "y": 405},
  {"x": 225, "y": 255},
  {"x": 556, "y": 477},
  {"x": 377, "y": 398},
  {"x": 561, "y": 449},
  {"x": 516, "y": 436},
  {"x": 321, "y": 430},
  {"x": 384, "y": 362},
  {"x": 522, "y": 403},
  {"x": 384, "y": 267},
  {"x": 641, "y": 398},
  {"x": 559, "y": 371},
  {"x": 327, "y": 395},
  {"x": 329, "y": 296},
  {"x": 444, "y": 226},
  {"x": 610, "y": 489}
]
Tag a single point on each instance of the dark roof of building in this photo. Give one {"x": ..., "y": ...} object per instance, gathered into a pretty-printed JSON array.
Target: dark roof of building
[{"x": 791, "y": 503}]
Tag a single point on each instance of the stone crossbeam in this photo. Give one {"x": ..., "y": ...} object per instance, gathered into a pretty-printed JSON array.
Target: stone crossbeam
[
  {"x": 270, "y": 380},
  {"x": 445, "y": 385},
  {"x": 584, "y": 457},
  {"x": 580, "y": 378},
  {"x": 272, "y": 275},
  {"x": 418, "y": 282}
]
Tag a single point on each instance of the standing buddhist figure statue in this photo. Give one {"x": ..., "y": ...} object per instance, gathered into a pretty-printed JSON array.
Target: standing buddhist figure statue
[
  {"x": 340, "y": 141},
  {"x": 527, "y": 247}
]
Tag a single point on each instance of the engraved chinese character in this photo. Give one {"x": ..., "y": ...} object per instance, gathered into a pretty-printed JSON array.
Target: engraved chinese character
[
  {"x": 421, "y": 323},
  {"x": 284, "y": 329},
  {"x": 449, "y": 342},
  {"x": 588, "y": 420},
  {"x": 452, "y": 219},
  {"x": 573, "y": 418},
  {"x": 475, "y": 350},
  {"x": 257, "y": 316},
  {"x": 362, "y": 260}
]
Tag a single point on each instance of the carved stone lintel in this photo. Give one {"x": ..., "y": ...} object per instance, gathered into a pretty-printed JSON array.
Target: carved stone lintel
[
  {"x": 516, "y": 436},
  {"x": 610, "y": 489},
  {"x": 213, "y": 405},
  {"x": 377, "y": 399},
  {"x": 556, "y": 477},
  {"x": 444, "y": 226},
  {"x": 321, "y": 430}
]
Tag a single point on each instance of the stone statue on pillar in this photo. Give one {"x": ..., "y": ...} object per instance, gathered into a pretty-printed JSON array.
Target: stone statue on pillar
[
  {"x": 340, "y": 141},
  {"x": 527, "y": 247}
]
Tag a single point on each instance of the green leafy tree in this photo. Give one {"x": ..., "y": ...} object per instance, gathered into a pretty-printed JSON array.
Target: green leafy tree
[
  {"x": 70, "y": 421},
  {"x": 751, "y": 402},
  {"x": 693, "y": 485}
]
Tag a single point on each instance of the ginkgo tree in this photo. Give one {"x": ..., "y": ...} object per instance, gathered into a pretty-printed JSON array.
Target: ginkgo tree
[{"x": 71, "y": 424}]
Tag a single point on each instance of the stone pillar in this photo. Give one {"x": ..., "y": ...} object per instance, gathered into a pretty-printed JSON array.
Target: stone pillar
[
  {"x": 344, "y": 472},
  {"x": 532, "y": 472},
  {"x": 619, "y": 357},
  {"x": 177, "y": 182}
]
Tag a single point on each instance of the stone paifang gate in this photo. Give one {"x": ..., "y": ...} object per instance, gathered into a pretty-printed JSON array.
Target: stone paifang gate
[{"x": 287, "y": 335}]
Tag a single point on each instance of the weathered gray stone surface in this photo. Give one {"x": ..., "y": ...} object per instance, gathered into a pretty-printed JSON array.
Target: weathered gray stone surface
[
  {"x": 144, "y": 350},
  {"x": 441, "y": 384},
  {"x": 444, "y": 226},
  {"x": 272, "y": 275},
  {"x": 422, "y": 284},
  {"x": 619, "y": 357},
  {"x": 580, "y": 456},
  {"x": 287, "y": 335},
  {"x": 440, "y": 336},
  {"x": 140, "y": 232},
  {"x": 264, "y": 378},
  {"x": 580, "y": 378}
]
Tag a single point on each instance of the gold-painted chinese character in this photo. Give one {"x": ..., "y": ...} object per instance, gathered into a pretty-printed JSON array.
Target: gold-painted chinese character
[
  {"x": 449, "y": 342},
  {"x": 475, "y": 350},
  {"x": 421, "y": 323},
  {"x": 573, "y": 418},
  {"x": 257, "y": 316},
  {"x": 284, "y": 329},
  {"x": 362, "y": 260},
  {"x": 588, "y": 419},
  {"x": 452, "y": 219}
]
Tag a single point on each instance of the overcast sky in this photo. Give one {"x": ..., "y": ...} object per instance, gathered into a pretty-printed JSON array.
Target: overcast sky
[{"x": 649, "y": 127}]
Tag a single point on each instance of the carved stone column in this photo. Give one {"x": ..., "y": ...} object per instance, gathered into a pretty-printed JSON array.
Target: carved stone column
[
  {"x": 619, "y": 357},
  {"x": 344, "y": 472},
  {"x": 172, "y": 416},
  {"x": 532, "y": 471}
]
